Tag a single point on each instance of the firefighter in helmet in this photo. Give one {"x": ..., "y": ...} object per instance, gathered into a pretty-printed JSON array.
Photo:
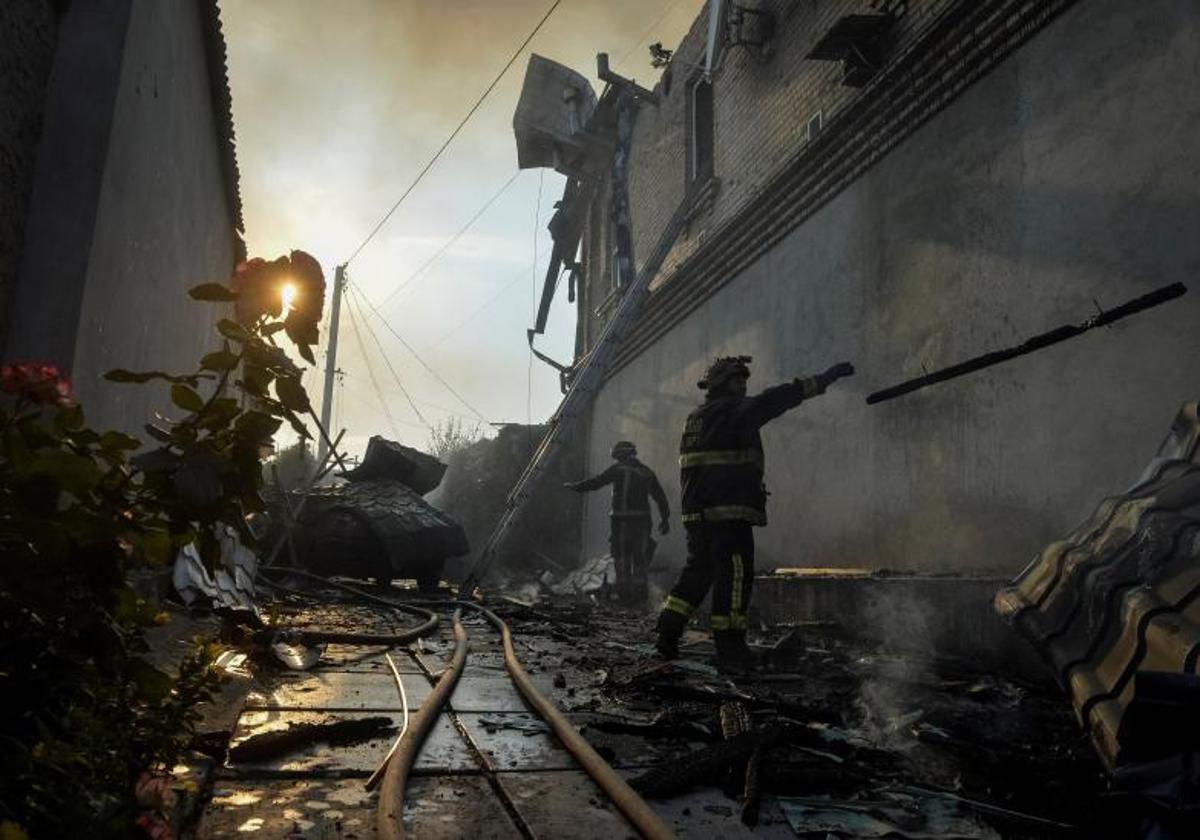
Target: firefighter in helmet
[
  {"x": 633, "y": 484},
  {"x": 721, "y": 465}
]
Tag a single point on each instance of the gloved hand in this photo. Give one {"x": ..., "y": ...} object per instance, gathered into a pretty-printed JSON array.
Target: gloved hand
[
  {"x": 838, "y": 371},
  {"x": 664, "y": 526}
]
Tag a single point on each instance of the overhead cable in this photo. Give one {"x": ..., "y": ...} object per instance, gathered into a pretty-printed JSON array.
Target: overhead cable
[
  {"x": 670, "y": 8},
  {"x": 395, "y": 376},
  {"x": 371, "y": 370},
  {"x": 454, "y": 133},
  {"x": 449, "y": 243},
  {"x": 483, "y": 306},
  {"x": 363, "y": 299}
]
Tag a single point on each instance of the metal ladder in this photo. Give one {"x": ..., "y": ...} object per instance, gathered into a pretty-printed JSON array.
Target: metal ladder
[{"x": 578, "y": 398}]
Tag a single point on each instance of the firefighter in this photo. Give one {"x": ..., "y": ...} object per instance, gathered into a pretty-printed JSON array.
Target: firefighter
[
  {"x": 633, "y": 484},
  {"x": 721, "y": 464}
]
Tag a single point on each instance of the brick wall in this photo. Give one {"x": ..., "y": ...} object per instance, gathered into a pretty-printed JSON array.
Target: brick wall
[{"x": 762, "y": 106}]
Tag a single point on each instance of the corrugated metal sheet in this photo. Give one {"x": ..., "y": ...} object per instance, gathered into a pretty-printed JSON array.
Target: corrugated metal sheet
[{"x": 1121, "y": 594}]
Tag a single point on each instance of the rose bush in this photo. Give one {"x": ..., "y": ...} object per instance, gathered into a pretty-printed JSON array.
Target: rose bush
[{"x": 83, "y": 713}]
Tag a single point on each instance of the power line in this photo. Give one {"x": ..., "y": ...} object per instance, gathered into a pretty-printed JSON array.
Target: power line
[
  {"x": 670, "y": 8},
  {"x": 363, "y": 299},
  {"x": 388, "y": 362},
  {"x": 370, "y": 370},
  {"x": 449, "y": 243},
  {"x": 454, "y": 133},
  {"x": 537, "y": 223},
  {"x": 375, "y": 407},
  {"x": 483, "y": 306},
  {"x": 426, "y": 403}
]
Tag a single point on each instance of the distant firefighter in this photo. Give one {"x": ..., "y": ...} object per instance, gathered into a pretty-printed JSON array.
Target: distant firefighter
[
  {"x": 633, "y": 484},
  {"x": 721, "y": 465}
]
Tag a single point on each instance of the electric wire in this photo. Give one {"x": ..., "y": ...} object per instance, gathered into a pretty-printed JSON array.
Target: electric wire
[
  {"x": 670, "y": 8},
  {"x": 537, "y": 218},
  {"x": 362, "y": 348},
  {"x": 353, "y": 301},
  {"x": 373, "y": 405},
  {"x": 363, "y": 298},
  {"x": 449, "y": 243},
  {"x": 454, "y": 133},
  {"x": 477, "y": 312},
  {"x": 426, "y": 403}
]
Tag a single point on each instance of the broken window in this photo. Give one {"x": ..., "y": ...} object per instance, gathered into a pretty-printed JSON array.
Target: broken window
[{"x": 700, "y": 132}]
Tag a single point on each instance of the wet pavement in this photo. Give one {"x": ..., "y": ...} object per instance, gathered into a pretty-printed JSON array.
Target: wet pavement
[{"x": 862, "y": 742}]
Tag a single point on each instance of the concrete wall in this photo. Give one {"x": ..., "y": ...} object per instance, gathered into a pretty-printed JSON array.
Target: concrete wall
[
  {"x": 130, "y": 206},
  {"x": 1069, "y": 173},
  {"x": 28, "y": 31},
  {"x": 163, "y": 222}
]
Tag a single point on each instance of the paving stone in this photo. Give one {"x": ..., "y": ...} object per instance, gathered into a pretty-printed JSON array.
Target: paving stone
[
  {"x": 490, "y": 694},
  {"x": 339, "y": 690},
  {"x": 516, "y": 741},
  {"x": 454, "y": 807},
  {"x": 565, "y": 804},
  {"x": 444, "y": 750},
  {"x": 330, "y": 809}
]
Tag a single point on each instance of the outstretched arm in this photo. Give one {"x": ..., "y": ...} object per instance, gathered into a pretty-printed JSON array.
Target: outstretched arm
[
  {"x": 772, "y": 402},
  {"x": 593, "y": 483}
]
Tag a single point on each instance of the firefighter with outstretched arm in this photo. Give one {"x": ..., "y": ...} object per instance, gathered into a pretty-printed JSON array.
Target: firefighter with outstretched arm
[
  {"x": 633, "y": 485},
  {"x": 721, "y": 466}
]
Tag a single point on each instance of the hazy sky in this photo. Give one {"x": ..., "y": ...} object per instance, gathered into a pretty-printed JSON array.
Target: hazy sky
[{"x": 339, "y": 103}]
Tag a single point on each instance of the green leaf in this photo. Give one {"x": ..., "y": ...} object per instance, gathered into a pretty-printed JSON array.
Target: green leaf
[
  {"x": 220, "y": 360},
  {"x": 256, "y": 378},
  {"x": 272, "y": 328},
  {"x": 233, "y": 330},
  {"x": 291, "y": 393},
  {"x": 114, "y": 441},
  {"x": 212, "y": 292},
  {"x": 72, "y": 472},
  {"x": 156, "y": 460},
  {"x": 219, "y": 414},
  {"x": 152, "y": 684},
  {"x": 198, "y": 479},
  {"x": 306, "y": 353},
  {"x": 186, "y": 398},
  {"x": 69, "y": 418},
  {"x": 257, "y": 426},
  {"x": 298, "y": 426}
]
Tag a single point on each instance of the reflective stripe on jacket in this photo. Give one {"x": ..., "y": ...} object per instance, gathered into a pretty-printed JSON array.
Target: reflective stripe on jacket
[{"x": 721, "y": 455}]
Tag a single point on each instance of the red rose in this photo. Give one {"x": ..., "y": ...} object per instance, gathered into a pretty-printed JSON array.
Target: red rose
[{"x": 35, "y": 381}]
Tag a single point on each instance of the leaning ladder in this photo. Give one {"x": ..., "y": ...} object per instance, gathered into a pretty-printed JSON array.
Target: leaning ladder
[{"x": 578, "y": 398}]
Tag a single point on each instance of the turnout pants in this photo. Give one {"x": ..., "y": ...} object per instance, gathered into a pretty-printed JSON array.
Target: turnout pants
[
  {"x": 629, "y": 539},
  {"x": 721, "y": 558}
]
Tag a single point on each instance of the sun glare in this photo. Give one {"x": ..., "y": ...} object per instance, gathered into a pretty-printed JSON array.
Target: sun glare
[{"x": 288, "y": 294}]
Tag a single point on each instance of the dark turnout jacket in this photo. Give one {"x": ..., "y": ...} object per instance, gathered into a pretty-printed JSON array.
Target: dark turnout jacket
[
  {"x": 721, "y": 454},
  {"x": 633, "y": 485}
]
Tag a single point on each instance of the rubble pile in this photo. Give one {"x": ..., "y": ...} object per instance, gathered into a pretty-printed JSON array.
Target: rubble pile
[{"x": 844, "y": 739}]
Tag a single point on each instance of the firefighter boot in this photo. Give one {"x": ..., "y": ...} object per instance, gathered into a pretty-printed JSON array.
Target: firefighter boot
[
  {"x": 733, "y": 654},
  {"x": 670, "y": 628}
]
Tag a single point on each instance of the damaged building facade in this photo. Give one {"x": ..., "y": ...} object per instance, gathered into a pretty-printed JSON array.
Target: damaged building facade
[
  {"x": 118, "y": 148},
  {"x": 907, "y": 185}
]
